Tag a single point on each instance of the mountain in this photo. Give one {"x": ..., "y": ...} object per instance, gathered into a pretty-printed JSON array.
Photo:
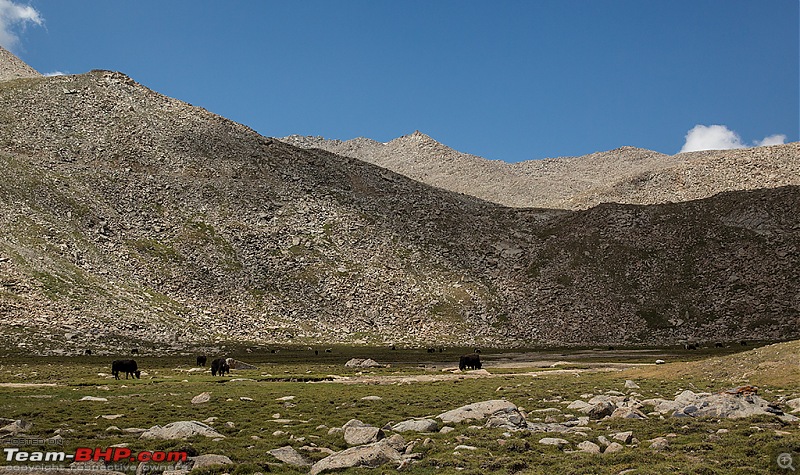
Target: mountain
[
  {"x": 625, "y": 175},
  {"x": 12, "y": 67},
  {"x": 128, "y": 218}
]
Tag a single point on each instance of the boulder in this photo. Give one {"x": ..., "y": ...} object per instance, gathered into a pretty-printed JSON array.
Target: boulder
[
  {"x": 362, "y": 435},
  {"x": 208, "y": 460},
  {"x": 370, "y": 456},
  {"x": 624, "y": 437},
  {"x": 201, "y": 398},
  {"x": 16, "y": 427},
  {"x": 478, "y": 410},
  {"x": 589, "y": 447},
  {"x": 601, "y": 410},
  {"x": 721, "y": 405},
  {"x": 629, "y": 384},
  {"x": 465, "y": 447},
  {"x": 560, "y": 443},
  {"x": 579, "y": 405},
  {"x": 290, "y": 456},
  {"x": 659, "y": 443},
  {"x": 359, "y": 433},
  {"x": 180, "y": 430},
  {"x": 627, "y": 413},
  {"x": 416, "y": 425},
  {"x": 613, "y": 447},
  {"x": 362, "y": 363},
  {"x": 509, "y": 418}
]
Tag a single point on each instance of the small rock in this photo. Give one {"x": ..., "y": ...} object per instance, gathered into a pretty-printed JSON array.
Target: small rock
[{"x": 629, "y": 384}]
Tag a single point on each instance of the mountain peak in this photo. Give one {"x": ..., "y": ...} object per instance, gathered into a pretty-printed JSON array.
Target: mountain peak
[
  {"x": 417, "y": 136},
  {"x": 12, "y": 67}
]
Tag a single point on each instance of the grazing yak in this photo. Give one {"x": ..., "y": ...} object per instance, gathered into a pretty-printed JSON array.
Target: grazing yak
[
  {"x": 220, "y": 366},
  {"x": 469, "y": 361},
  {"x": 201, "y": 360},
  {"x": 126, "y": 366}
]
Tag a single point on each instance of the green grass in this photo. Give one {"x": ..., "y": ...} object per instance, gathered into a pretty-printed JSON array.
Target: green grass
[{"x": 164, "y": 393}]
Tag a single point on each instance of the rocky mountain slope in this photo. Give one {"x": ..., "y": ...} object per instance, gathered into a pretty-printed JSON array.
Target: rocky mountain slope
[
  {"x": 12, "y": 67},
  {"x": 131, "y": 219},
  {"x": 625, "y": 175}
]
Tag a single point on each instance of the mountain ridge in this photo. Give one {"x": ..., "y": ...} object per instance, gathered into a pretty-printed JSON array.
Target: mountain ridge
[{"x": 623, "y": 175}]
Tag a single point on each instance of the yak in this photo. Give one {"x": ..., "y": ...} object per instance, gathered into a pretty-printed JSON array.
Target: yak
[
  {"x": 469, "y": 361},
  {"x": 126, "y": 366},
  {"x": 220, "y": 366},
  {"x": 201, "y": 360}
]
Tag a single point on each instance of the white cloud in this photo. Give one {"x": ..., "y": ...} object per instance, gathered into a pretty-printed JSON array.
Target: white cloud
[
  {"x": 720, "y": 137},
  {"x": 55, "y": 73},
  {"x": 12, "y": 16},
  {"x": 776, "y": 139}
]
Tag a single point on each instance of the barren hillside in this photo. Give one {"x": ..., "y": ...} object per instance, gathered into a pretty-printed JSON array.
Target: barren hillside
[
  {"x": 131, "y": 219},
  {"x": 625, "y": 175}
]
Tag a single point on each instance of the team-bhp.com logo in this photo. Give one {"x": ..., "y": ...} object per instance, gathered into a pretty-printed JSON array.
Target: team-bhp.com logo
[{"x": 86, "y": 454}]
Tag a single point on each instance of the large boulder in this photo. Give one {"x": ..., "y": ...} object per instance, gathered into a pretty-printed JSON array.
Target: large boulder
[
  {"x": 358, "y": 433},
  {"x": 478, "y": 410},
  {"x": 601, "y": 410},
  {"x": 416, "y": 425},
  {"x": 208, "y": 460},
  {"x": 290, "y": 456},
  {"x": 729, "y": 404},
  {"x": 509, "y": 418},
  {"x": 369, "y": 456},
  {"x": 16, "y": 427},
  {"x": 363, "y": 363},
  {"x": 180, "y": 430}
]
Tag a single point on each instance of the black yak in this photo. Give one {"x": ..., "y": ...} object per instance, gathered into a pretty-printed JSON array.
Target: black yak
[
  {"x": 126, "y": 366},
  {"x": 220, "y": 366},
  {"x": 201, "y": 360},
  {"x": 469, "y": 361}
]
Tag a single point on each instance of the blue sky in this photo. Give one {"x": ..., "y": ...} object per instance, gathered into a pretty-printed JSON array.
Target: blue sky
[{"x": 509, "y": 80}]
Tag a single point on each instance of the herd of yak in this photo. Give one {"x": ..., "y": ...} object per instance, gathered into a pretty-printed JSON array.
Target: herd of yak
[{"x": 220, "y": 366}]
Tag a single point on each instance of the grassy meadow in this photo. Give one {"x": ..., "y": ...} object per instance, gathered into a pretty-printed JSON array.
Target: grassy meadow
[{"x": 295, "y": 396}]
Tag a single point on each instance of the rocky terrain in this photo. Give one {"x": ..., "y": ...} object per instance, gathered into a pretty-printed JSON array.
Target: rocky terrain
[
  {"x": 132, "y": 219},
  {"x": 625, "y": 175},
  {"x": 12, "y": 68}
]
